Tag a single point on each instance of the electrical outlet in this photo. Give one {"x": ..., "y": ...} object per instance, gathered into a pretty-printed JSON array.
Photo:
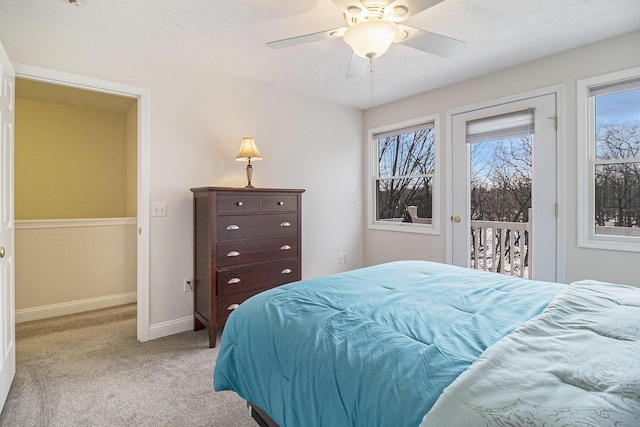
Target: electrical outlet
[
  {"x": 158, "y": 209},
  {"x": 188, "y": 285},
  {"x": 346, "y": 257}
]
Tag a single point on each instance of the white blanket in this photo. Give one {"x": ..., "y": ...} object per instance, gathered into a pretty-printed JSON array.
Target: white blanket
[{"x": 576, "y": 364}]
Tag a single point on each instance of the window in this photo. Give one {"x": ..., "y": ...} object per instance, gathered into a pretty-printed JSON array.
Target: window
[
  {"x": 609, "y": 157},
  {"x": 404, "y": 175}
]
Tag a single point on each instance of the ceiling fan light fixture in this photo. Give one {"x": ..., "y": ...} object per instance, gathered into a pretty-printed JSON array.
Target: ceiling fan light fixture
[
  {"x": 370, "y": 39},
  {"x": 399, "y": 12}
]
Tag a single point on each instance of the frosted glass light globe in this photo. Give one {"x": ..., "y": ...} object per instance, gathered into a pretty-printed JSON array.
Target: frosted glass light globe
[{"x": 370, "y": 39}]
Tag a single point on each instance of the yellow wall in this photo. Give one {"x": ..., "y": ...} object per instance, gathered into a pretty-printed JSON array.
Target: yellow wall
[
  {"x": 71, "y": 162},
  {"x": 132, "y": 162},
  {"x": 70, "y": 269},
  {"x": 74, "y": 165}
]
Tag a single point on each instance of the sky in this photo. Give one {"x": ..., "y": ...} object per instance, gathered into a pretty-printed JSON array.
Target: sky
[{"x": 618, "y": 107}]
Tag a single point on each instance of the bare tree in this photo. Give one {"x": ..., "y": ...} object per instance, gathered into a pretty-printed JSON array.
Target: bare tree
[
  {"x": 404, "y": 160},
  {"x": 501, "y": 180},
  {"x": 617, "y": 184}
]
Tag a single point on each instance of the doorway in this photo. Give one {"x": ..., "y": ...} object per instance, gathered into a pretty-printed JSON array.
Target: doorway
[
  {"x": 142, "y": 218},
  {"x": 75, "y": 188},
  {"x": 504, "y": 187}
]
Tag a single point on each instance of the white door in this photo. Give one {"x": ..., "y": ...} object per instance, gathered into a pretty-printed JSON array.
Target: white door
[
  {"x": 7, "y": 323},
  {"x": 538, "y": 117}
]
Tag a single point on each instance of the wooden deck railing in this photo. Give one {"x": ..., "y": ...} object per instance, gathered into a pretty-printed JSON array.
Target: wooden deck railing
[{"x": 502, "y": 247}]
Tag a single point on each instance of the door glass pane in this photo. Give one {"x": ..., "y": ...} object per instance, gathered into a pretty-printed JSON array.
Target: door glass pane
[{"x": 500, "y": 205}]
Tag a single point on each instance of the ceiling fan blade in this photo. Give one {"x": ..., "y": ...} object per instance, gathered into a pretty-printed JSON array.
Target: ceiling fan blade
[
  {"x": 307, "y": 38},
  {"x": 433, "y": 43},
  {"x": 358, "y": 66}
]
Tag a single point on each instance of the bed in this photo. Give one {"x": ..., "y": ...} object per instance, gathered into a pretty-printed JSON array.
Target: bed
[{"x": 415, "y": 343}]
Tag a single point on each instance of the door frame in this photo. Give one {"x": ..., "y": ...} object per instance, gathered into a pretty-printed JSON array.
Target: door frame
[
  {"x": 61, "y": 78},
  {"x": 558, "y": 90}
]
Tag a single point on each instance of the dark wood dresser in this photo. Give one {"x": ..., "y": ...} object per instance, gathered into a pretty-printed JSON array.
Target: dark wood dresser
[{"x": 246, "y": 240}]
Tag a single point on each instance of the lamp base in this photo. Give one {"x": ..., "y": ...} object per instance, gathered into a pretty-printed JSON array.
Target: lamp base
[{"x": 249, "y": 174}]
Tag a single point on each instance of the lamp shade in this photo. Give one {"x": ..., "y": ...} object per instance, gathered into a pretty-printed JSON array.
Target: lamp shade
[
  {"x": 370, "y": 39},
  {"x": 248, "y": 150}
]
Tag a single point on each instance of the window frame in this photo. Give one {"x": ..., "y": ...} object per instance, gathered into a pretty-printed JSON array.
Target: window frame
[
  {"x": 372, "y": 153},
  {"x": 586, "y": 150}
]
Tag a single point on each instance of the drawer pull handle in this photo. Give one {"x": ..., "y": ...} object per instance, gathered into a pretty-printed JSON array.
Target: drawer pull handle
[
  {"x": 233, "y": 227},
  {"x": 233, "y": 307},
  {"x": 285, "y": 224},
  {"x": 280, "y": 203},
  {"x": 233, "y": 281},
  {"x": 285, "y": 247},
  {"x": 286, "y": 271},
  {"x": 239, "y": 204},
  {"x": 233, "y": 253}
]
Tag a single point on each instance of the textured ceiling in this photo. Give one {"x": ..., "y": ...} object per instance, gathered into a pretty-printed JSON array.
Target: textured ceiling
[{"x": 231, "y": 36}]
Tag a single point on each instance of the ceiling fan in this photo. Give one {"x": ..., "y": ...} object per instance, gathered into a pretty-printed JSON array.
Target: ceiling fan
[{"x": 372, "y": 25}]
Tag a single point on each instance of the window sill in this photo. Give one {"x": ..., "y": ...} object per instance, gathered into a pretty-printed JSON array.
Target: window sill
[
  {"x": 620, "y": 244},
  {"x": 404, "y": 227}
]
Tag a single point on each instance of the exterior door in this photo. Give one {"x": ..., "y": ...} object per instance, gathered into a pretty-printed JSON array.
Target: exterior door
[
  {"x": 494, "y": 151},
  {"x": 7, "y": 323}
]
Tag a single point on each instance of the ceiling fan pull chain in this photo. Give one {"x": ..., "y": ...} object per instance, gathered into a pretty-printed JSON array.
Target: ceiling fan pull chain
[{"x": 373, "y": 87}]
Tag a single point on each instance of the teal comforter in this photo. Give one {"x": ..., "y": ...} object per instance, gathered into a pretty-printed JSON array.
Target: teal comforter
[{"x": 369, "y": 347}]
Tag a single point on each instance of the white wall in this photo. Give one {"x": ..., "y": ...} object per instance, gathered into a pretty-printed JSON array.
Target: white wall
[
  {"x": 198, "y": 117},
  {"x": 561, "y": 69}
]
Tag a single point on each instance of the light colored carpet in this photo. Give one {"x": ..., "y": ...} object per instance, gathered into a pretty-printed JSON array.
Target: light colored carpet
[{"x": 89, "y": 370}]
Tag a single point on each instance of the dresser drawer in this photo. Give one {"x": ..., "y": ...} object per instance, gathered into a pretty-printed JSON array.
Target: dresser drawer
[
  {"x": 255, "y": 226},
  {"x": 251, "y": 251},
  {"x": 279, "y": 203},
  {"x": 226, "y": 303},
  {"x": 237, "y": 203},
  {"x": 269, "y": 274}
]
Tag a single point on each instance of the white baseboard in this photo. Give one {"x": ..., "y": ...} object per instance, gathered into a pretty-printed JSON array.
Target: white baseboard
[
  {"x": 157, "y": 330},
  {"x": 170, "y": 327},
  {"x": 54, "y": 310}
]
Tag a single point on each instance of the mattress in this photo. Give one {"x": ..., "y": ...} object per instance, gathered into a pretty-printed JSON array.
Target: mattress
[{"x": 370, "y": 347}]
